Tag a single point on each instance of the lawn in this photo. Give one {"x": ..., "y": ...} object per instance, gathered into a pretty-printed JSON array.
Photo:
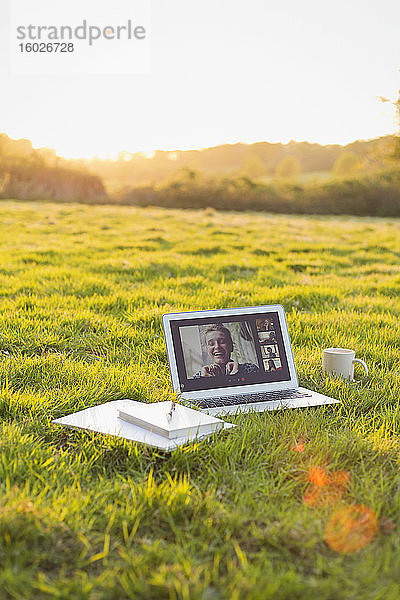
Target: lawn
[{"x": 247, "y": 514}]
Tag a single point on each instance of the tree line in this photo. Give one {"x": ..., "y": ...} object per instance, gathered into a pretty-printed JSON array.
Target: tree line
[
  {"x": 29, "y": 174},
  {"x": 363, "y": 177}
]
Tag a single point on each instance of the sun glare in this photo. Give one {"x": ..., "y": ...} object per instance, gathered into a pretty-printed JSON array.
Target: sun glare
[
  {"x": 351, "y": 529},
  {"x": 325, "y": 487}
]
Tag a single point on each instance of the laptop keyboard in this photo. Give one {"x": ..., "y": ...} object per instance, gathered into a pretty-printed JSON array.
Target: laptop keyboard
[{"x": 280, "y": 395}]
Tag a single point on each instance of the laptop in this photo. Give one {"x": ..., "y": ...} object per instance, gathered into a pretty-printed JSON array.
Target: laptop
[{"x": 235, "y": 360}]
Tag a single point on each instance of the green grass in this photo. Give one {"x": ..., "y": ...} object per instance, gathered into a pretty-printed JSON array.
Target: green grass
[{"x": 83, "y": 515}]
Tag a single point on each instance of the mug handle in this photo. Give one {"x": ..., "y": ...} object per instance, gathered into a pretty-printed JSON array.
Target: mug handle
[{"x": 358, "y": 360}]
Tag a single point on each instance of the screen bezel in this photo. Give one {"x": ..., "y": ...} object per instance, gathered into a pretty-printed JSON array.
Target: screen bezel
[{"x": 242, "y": 389}]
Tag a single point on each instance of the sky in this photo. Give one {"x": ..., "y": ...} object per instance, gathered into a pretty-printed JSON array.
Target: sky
[{"x": 222, "y": 71}]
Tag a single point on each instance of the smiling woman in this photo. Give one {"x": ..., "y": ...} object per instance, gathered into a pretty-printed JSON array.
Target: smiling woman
[{"x": 219, "y": 345}]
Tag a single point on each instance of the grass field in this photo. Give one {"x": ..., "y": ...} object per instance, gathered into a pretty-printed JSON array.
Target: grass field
[{"x": 248, "y": 514}]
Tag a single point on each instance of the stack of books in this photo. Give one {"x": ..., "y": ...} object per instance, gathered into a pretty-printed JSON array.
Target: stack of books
[
  {"x": 151, "y": 424},
  {"x": 178, "y": 422}
]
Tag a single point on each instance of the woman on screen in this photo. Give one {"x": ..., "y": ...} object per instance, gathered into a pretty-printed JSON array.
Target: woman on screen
[{"x": 219, "y": 346}]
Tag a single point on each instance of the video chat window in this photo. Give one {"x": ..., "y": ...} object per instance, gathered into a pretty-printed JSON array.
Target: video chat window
[
  {"x": 219, "y": 350},
  {"x": 220, "y": 353}
]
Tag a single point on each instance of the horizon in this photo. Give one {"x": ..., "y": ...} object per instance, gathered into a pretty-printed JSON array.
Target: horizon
[{"x": 150, "y": 154}]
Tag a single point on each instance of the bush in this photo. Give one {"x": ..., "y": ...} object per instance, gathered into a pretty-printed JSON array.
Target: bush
[
  {"x": 34, "y": 182},
  {"x": 375, "y": 195}
]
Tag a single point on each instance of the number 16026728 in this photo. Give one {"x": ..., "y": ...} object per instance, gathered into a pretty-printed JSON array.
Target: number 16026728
[{"x": 46, "y": 47}]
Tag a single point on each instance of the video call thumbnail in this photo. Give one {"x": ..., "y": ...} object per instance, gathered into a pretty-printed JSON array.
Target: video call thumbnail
[{"x": 267, "y": 339}]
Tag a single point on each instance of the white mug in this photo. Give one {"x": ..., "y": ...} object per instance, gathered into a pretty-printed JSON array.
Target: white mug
[{"x": 340, "y": 362}]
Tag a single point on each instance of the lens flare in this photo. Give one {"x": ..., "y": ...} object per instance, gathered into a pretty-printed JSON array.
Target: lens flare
[
  {"x": 325, "y": 488},
  {"x": 299, "y": 447},
  {"x": 351, "y": 529},
  {"x": 317, "y": 476}
]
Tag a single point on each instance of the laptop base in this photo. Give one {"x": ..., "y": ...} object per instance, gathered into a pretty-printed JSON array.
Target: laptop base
[{"x": 309, "y": 399}]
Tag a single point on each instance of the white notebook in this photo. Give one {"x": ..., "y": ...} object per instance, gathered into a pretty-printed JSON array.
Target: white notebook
[
  {"x": 184, "y": 420},
  {"x": 104, "y": 419}
]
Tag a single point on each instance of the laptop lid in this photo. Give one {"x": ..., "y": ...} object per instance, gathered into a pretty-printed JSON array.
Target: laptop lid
[{"x": 229, "y": 351}]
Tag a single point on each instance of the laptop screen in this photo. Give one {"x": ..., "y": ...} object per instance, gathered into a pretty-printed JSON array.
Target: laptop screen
[{"x": 226, "y": 351}]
